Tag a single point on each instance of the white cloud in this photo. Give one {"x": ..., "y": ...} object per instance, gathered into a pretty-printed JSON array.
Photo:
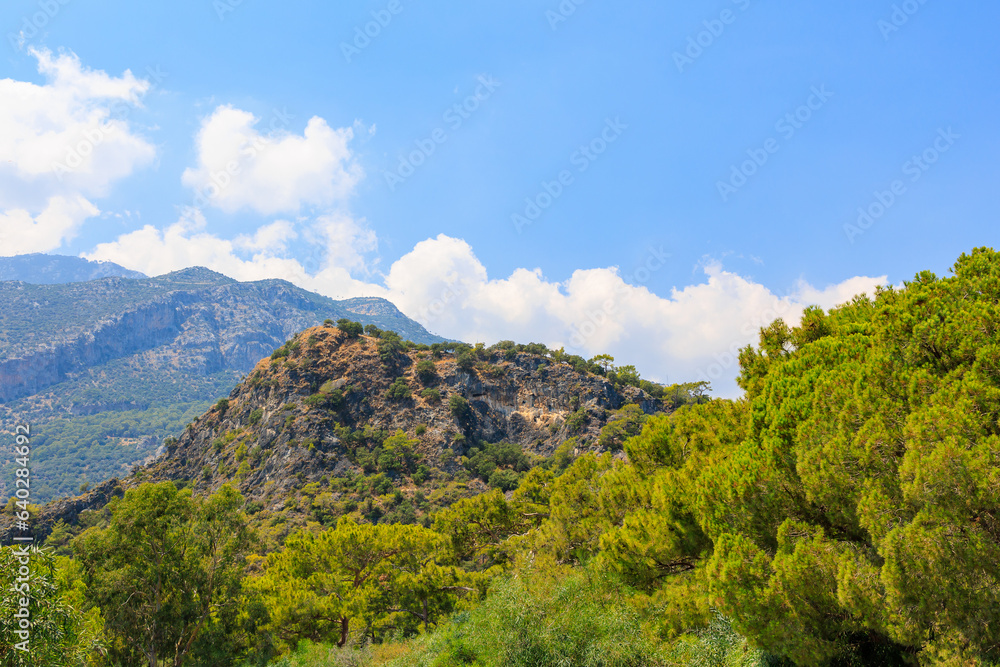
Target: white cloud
[
  {"x": 68, "y": 141},
  {"x": 21, "y": 233},
  {"x": 273, "y": 237},
  {"x": 257, "y": 256},
  {"x": 692, "y": 334},
  {"x": 278, "y": 172},
  {"x": 339, "y": 241}
]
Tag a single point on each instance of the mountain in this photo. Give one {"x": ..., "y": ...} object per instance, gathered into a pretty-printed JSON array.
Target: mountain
[
  {"x": 40, "y": 269},
  {"x": 333, "y": 424},
  {"x": 105, "y": 369}
]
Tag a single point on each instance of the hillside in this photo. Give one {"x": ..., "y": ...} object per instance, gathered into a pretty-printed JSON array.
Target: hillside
[
  {"x": 313, "y": 432},
  {"x": 105, "y": 369}
]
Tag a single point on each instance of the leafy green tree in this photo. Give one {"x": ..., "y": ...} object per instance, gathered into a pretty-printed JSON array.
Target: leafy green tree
[
  {"x": 605, "y": 361},
  {"x": 397, "y": 453},
  {"x": 577, "y": 515},
  {"x": 352, "y": 329},
  {"x": 41, "y": 625},
  {"x": 478, "y": 528},
  {"x": 845, "y": 509},
  {"x": 626, "y": 423},
  {"x": 372, "y": 575},
  {"x": 165, "y": 571},
  {"x": 466, "y": 361},
  {"x": 628, "y": 375}
]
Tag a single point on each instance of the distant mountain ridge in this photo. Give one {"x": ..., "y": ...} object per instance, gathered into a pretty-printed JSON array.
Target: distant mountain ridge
[
  {"x": 105, "y": 369},
  {"x": 42, "y": 269}
]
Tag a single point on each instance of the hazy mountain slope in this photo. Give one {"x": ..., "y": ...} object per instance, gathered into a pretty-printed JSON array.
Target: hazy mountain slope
[{"x": 41, "y": 269}]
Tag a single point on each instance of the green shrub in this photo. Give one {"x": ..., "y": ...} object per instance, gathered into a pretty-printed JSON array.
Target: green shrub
[
  {"x": 426, "y": 371},
  {"x": 432, "y": 395},
  {"x": 256, "y": 416},
  {"x": 459, "y": 407},
  {"x": 576, "y": 420},
  {"x": 352, "y": 329},
  {"x": 505, "y": 480},
  {"x": 399, "y": 390},
  {"x": 491, "y": 457},
  {"x": 465, "y": 361},
  {"x": 389, "y": 345},
  {"x": 553, "y": 620}
]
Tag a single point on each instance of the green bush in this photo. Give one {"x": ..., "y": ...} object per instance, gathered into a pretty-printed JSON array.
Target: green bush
[
  {"x": 576, "y": 420},
  {"x": 505, "y": 480},
  {"x": 564, "y": 619},
  {"x": 426, "y": 371},
  {"x": 432, "y": 395},
  {"x": 459, "y": 407},
  {"x": 493, "y": 457},
  {"x": 389, "y": 345},
  {"x": 465, "y": 361},
  {"x": 399, "y": 390},
  {"x": 352, "y": 329}
]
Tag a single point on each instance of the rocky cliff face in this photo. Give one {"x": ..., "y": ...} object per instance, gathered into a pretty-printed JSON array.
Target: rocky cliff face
[{"x": 288, "y": 418}]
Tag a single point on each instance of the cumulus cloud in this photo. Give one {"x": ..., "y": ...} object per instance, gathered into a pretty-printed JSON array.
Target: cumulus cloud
[
  {"x": 338, "y": 241},
  {"x": 64, "y": 142},
  {"x": 272, "y": 238},
  {"x": 261, "y": 255},
  {"x": 692, "y": 334},
  {"x": 239, "y": 167},
  {"x": 20, "y": 232}
]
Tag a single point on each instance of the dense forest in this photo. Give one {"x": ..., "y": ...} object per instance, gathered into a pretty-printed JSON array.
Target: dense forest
[{"x": 844, "y": 511}]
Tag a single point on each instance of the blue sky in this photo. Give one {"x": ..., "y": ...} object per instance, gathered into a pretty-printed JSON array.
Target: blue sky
[{"x": 652, "y": 249}]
